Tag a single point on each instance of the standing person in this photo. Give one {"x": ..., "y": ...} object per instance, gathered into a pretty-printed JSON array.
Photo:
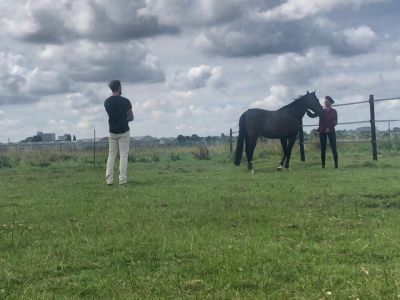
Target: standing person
[
  {"x": 119, "y": 110},
  {"x": 326, "y": 129},
  {"x": 327, "y": 123}
]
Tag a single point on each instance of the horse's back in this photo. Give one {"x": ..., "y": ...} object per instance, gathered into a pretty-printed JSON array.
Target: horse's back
[
  {"x": 270, "y": 124},
  {"x": 257, "y": 111}
]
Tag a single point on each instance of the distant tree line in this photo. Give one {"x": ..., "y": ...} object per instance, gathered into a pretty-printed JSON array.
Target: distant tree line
[
  {"x": 362, "y": 132},
  {"x": 33, "y": 139},
  {"x": 195, "y": 139}
]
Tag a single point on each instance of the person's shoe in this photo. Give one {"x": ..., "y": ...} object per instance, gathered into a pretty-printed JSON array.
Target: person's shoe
[{"x": 323, "y": 167}]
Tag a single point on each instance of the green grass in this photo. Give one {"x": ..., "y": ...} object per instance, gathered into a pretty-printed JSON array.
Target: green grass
[{"x": 184, "y": 228}]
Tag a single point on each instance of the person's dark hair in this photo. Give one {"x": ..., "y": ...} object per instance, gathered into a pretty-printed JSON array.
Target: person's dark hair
[
  {"x": 114, "y": 85},
  {"x": 329, "y": 98}
]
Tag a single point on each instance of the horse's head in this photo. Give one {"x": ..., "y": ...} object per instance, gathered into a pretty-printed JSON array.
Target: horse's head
[{"x": 312, "y": 103}]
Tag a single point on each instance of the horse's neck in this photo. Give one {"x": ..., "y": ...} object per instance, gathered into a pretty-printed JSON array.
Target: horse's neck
[{"x": 296, "y": 108}]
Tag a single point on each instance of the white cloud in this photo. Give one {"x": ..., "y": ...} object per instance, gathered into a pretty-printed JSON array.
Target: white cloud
[
  {"x": 92, "y": 116},
  {"x": 298, "y": 68},
  {"x": 183, "y": 12},
  {"x": 343, "y": 81},
  {"x": 85, "y": 98},
  {"x": 15, "y": 130},
  {"x": 279, "y": 96},
  {"x": 299, "y": 9},
  {"x": 100, "y": 62},
  {"x": 57, "y": 22},
  {"x": 12, "y": 72},
  {"x": 60, "y": 127},
  {"x": 183, "y": 94},
  {"x": 197, "y": 77},
  {"x": 23, "y": 82},
  {"x": 47, "y": 82},
  {"x": 13, "y": 79},
  {"x": 256, "y": 37},
  {"x": 361, "y": 37}
]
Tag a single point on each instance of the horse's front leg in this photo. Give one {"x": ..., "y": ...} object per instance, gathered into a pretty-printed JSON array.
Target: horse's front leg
[
  {"x": 292, "y": 140},
  {"x": 284, "y": 150}
]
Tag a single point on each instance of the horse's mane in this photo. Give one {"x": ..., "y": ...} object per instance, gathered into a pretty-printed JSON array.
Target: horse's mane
[{"x": 293, "y": 103}]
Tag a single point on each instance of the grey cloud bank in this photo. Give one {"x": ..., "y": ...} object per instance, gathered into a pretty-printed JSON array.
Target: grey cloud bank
[{"x": 188, "y": 66}]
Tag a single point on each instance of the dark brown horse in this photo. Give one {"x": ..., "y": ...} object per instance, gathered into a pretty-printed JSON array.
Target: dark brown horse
[{"x": 283, "y": 124}]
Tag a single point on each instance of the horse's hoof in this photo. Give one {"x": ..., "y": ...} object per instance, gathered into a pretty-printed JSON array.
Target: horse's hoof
[
  {"x": 251, "y": 172},
  {"x": 279, "y": 168}
]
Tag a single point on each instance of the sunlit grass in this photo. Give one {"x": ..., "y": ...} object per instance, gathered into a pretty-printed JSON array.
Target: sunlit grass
[{"x": 187, "y": 228}]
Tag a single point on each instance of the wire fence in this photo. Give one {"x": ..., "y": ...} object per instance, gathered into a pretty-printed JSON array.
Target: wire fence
[
  {"x": 95, "y": 149},
  {"x": 95, "y": 145}
]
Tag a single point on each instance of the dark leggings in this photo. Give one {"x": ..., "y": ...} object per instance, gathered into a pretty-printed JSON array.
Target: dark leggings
[{"x": 332, "y": 141}]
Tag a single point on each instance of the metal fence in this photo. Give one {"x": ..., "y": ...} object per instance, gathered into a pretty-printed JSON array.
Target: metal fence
[
  {"x": 91, "y": 147},
  {"x": 96, "y": 147}
]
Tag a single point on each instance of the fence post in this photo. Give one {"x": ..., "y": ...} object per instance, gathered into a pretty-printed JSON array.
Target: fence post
[
  {"x": 389, "y": 136},
  {"x": 230, "y": 140},
  {"x": 301, "y": 142},
  {"x": 94, "y": 146},
  {"x": 373, "y": 128}
]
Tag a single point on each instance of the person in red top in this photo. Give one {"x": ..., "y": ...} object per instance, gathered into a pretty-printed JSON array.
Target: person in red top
[
  {"x": 326, "y": 129},
  {"x": 327, "y": 122}
]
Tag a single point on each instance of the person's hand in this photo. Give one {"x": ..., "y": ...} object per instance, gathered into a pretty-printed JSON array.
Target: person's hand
[{"x": 327, "y": 130}]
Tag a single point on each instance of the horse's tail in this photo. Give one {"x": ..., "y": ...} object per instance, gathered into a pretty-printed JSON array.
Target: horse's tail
[{"x": 240, "y": 141}]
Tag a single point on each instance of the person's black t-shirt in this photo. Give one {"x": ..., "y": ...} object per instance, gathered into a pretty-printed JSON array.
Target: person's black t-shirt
[{"x": 117, "y": 109}]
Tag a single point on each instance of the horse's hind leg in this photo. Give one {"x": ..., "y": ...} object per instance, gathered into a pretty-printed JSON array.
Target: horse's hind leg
[
  {"x": 292, "y": 140},
  {"x": 251, "y": 143},
  {"x": 284, "y": 149}
]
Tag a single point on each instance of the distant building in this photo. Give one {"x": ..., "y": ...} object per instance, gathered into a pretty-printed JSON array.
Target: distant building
[
  {"x": 47, "y": 137},
  {"x": 365, "y": 129},
  {"x": 64, "y": 138}
]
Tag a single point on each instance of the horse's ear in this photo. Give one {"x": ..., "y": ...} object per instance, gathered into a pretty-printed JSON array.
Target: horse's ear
[
  {"x": 314, "y": 91},
  {"x": 308, "y": 92}
]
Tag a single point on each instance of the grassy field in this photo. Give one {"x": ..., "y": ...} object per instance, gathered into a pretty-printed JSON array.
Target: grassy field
[{"x": 187, "y": 228}]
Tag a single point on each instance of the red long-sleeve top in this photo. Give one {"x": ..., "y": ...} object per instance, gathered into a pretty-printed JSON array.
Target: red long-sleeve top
[{"x": 328, "y": 119}]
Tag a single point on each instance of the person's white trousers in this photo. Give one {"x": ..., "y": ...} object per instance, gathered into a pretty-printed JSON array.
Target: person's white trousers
[{"x": 118, "y": 141}]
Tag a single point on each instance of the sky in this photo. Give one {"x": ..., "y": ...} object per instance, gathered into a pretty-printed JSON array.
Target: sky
[{"x": 190, "y": 67}]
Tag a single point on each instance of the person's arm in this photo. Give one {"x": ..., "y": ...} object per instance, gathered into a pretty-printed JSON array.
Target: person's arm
[
  {"x": 335, "y": 120},
  {"x": 129, "y": 115}
]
